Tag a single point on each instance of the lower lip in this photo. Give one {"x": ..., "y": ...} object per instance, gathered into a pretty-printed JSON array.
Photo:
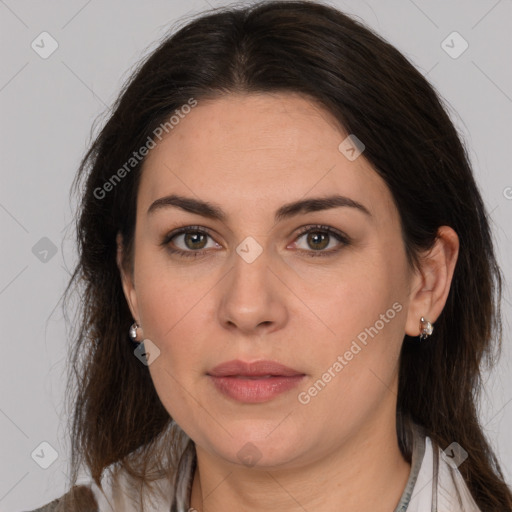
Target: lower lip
[{"x": 255, "y": 390}]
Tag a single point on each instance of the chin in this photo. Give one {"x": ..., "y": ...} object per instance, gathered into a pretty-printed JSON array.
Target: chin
[{"x": 255, "y": 449}]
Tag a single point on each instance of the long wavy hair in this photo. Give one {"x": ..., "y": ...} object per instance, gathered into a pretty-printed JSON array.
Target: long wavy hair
[{"x": 374, "y": 92}]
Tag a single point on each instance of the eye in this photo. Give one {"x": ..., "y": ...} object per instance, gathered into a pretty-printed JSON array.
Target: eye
[
  {"x": 319, "y": 238},
  {"x": 193, "y": 240}
]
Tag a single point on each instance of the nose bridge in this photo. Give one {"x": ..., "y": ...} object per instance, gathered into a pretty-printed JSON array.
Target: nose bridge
[
  {"x": 249, "y": 280},
  {"x": 251, "y": 266},
  {"x": 250, "y": 296}
]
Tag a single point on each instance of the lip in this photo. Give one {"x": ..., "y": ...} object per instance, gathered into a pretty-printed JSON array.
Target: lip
[
  {"x": 255, "y": 382},
  {"x": 237, "y": 368}
]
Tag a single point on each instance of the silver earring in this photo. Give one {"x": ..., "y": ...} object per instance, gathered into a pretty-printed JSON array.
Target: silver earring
[
  {"x": 133, "y": 331},
  {"x": 426, "y": 328}
]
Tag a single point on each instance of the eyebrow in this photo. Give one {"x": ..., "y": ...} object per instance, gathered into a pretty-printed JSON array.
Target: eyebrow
[{"x": 213, "y": 211}]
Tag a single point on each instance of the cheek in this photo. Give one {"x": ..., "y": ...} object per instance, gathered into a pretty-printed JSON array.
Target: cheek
[
  {"x": 361, "y": 295},
  {"x": 366, "y": 316},
  {"x": 166, "y": 293},
  {"x": 355, "y": 368},
  {"x": 174, "y": 320},
  {"x": 172, "y": 317}
]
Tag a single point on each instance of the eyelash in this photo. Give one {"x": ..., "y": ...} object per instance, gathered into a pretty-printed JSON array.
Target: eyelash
[{"x": 317, "y": 228}]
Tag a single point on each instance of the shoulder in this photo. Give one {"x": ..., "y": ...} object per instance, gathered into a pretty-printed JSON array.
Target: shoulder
[{"x": 79, "y": 498}]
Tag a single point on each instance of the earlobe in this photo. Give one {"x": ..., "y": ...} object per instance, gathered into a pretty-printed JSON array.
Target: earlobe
[{"x": 431, "y": 283}]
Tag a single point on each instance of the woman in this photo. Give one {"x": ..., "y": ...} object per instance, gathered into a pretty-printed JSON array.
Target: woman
[{"x": 281, "y": 216}]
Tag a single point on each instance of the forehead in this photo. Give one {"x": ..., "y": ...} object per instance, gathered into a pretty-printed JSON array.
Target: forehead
[{"x": 254, "y": 150}]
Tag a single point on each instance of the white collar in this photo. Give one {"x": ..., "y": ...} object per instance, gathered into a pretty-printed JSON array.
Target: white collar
[{"x": 438, "y": 485}]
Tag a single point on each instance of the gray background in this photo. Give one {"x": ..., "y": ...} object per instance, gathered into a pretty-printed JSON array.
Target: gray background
[{"x": 48, "y": 107}]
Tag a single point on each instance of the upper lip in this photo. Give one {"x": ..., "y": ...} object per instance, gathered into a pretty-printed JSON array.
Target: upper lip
[{"x": 255, "y": 369}]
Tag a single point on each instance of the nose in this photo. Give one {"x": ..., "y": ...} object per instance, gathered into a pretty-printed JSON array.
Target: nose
[{"x": 253, "y": 297}]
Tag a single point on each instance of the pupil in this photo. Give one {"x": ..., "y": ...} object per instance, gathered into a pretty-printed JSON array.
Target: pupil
[
  {"x": 315, "y": 236},
  {"x": 194, "y": 237}
]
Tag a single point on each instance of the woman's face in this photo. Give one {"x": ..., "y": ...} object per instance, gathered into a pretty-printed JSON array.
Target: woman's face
[{"x": 255, "y": 288}]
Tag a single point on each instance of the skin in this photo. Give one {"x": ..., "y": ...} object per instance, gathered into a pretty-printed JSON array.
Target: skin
[{"x": 250, "y": 154}]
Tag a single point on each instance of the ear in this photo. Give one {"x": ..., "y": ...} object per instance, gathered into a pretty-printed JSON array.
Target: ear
[
  {"x": 431, "y": 284},
  {"x": 127, "y": 280}
]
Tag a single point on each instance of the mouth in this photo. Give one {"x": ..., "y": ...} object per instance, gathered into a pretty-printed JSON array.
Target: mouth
[
  {"x": 255, "y": 382},
  {"x": 253, "y": 377},
  {"x": 259, "y": 369}
]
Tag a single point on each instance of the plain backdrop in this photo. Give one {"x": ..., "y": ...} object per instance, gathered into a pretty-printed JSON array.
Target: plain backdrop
[{"x": 48, "y": 107}]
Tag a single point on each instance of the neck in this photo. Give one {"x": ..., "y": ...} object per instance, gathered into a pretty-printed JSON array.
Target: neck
[{"x": 365, "y": 472}]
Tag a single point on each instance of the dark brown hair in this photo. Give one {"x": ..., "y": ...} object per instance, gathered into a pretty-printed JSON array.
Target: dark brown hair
[{"x": 374, "y": 92}]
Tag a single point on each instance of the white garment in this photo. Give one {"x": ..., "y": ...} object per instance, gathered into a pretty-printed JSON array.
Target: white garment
[
  {"x": 439, "y": 487},
  {"x": 433, "y": 486}
]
